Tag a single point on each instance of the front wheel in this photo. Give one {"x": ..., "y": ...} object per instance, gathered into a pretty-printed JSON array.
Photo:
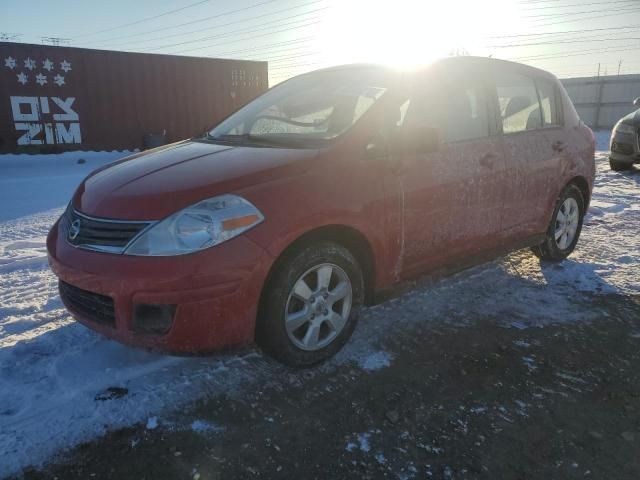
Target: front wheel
[
  {"x": 566, "y": 224},
  {"x": 311, "y": 305}
]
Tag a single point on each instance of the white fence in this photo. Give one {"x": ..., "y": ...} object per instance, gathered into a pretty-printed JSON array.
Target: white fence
[{"x": 602, "y": 101}]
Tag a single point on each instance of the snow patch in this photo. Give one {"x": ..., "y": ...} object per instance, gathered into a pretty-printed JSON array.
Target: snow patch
[
  {"x": 363, "y": 443},
  {"x": 530, "y": 363},
  {"x": 519, "y": 325},
  {"x": 152, "y": 423},
  {"x": 202, "y": 426},
  {"x": 363, "y": 440},
  {"x": 376, "y": 361},
  {"x": 478, "y": 410}
]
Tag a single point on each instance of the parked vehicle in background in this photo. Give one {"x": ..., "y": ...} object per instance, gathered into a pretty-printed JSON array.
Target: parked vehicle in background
[
  {"x": 287, "y": 218},
  {"x": 625, "y": 141}
]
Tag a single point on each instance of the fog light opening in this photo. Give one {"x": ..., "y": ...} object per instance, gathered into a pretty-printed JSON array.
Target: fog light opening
[{"x": 153, "y": 319}]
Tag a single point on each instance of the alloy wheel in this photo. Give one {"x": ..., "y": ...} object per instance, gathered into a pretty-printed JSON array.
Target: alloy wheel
[
  {"x": 318, "y": 306},
  {"x": 566, "y": 223}
]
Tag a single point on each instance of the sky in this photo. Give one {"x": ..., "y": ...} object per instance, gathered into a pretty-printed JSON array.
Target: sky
[{"x": 567, "y": 37}]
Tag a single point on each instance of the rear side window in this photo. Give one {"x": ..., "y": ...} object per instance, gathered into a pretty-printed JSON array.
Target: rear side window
[
  {"x": 518, "y": 101},
  {"x": 547, "y": 92}
]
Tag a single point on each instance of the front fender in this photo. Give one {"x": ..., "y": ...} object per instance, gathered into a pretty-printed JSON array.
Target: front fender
[{"x": 296, "y": 206}]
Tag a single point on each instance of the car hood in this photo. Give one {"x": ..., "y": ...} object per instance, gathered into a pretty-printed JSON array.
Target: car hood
[
  {"x": 632, "y": 119},
  {"x": 154, "y": 184}
]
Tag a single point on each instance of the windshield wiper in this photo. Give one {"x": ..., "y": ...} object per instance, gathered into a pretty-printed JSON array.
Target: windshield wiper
[
  {"x": 240, "y": 139},
  {"x": 248, "y": 139}
]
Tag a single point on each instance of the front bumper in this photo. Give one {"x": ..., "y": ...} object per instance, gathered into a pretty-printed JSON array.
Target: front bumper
[
  {"x": 625, "y": 147},
  {"x": 215, "y": 291}
]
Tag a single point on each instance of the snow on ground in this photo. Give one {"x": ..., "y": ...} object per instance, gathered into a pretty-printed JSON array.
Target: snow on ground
[
  {"x": 55, "y": 374},
  {"x": 602, "y": 140},
  {"x": 34, "y": 183}
]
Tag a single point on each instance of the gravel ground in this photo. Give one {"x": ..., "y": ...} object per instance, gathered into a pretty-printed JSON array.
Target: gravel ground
[{"x": 481, "y": 401}]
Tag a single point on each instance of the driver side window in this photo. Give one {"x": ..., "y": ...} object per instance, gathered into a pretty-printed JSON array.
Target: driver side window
[{"x": 457, "y": 107}]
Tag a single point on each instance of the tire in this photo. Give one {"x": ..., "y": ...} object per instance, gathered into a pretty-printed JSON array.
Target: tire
[
  {"x": 557, "y": 249},
  {"x": 619, "y": 166},
  {"x": 291, "y": 314}
]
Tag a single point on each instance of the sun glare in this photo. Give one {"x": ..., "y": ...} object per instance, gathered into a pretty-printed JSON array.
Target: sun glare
[{"x": 406, "y": 33}]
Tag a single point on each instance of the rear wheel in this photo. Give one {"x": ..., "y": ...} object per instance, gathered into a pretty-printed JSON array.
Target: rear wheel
[
  {"x": 566, "y": 224},
  {"x": 311, "y": 305},
  {"x": 619, "y": 166}
]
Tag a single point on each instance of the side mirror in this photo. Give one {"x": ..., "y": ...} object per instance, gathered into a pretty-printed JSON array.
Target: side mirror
[
  {"x": 414, "y": 139},
  {"x": 636, "y": 101}
]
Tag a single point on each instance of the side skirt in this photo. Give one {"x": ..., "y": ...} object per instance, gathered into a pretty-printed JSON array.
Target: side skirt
[{"x": 429, "y": 278}]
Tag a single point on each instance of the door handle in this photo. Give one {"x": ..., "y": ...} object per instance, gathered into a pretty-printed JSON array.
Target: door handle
[
  {"x": 487, "y": 160},
  {"x": 559, "y": 146}
]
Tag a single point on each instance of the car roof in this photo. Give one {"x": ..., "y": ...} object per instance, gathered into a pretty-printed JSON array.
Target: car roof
[
  {"x": 496, "y": 62},
  {"x": 442, "y": 62}
]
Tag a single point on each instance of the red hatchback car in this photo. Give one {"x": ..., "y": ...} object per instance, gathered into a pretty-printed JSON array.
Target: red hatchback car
[{"x": 287, "y": 218}]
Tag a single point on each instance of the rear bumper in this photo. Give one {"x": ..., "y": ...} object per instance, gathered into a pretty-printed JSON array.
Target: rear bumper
[{"x": 215, "y": 292}]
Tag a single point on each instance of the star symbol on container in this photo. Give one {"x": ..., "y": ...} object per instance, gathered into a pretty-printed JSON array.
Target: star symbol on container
[
  {"x": 41, "y": 79},
  {"x": 47, "y": 65},
  {"x": 58, "y": 80},
  {"x": 65, "y": 66},
  {"x": 10, "y": 62},
  {"x": 22, "y": 78},
  {"x": 29, "y": 63}
]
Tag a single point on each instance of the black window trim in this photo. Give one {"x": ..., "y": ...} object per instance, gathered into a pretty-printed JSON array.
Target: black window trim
[{"x": 559, "y": 101}]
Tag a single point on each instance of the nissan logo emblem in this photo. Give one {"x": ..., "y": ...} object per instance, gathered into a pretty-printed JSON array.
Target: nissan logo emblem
[{"x": 74, "y": 229}]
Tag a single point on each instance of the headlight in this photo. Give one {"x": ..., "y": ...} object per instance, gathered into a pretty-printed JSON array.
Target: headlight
[
  {"x": 197, "y": 227},
  {"x": 623, "y": 128}
]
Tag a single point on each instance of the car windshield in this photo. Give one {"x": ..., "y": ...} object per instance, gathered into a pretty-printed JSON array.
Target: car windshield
[{"x": 306, "y": 111}]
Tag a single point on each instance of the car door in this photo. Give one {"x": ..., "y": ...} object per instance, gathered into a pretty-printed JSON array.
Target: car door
[
  {"x": 534, "y": 149},
  {"x": 452, "y": 198}
]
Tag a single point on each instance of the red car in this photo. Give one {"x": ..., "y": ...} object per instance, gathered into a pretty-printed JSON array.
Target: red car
[{"x": 282, "y": 222}]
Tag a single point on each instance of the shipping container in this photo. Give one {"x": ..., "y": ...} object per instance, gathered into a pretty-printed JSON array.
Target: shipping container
[{"x": 62, "y": 98}]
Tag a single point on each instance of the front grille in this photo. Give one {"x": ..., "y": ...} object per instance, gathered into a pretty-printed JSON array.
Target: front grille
[
  {"x": 99, "y": 233},
  {"x": 92, "y": 306}
]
